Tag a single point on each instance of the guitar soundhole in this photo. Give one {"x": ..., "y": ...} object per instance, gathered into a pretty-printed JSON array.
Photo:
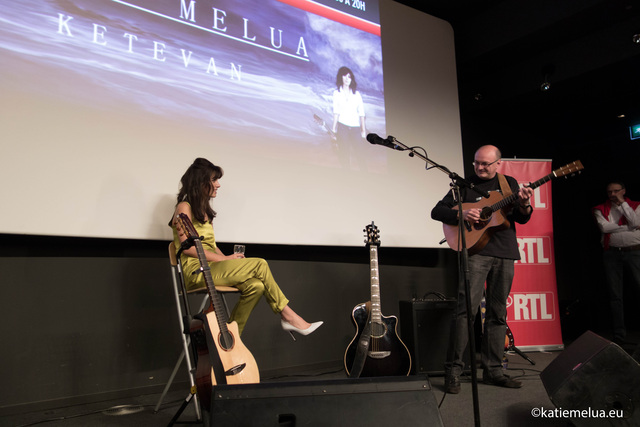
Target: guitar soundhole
[
  {"x": 378, "y": 330},
  {"x": 485, "y": 214},
  {"x": 226, "y": 340}
]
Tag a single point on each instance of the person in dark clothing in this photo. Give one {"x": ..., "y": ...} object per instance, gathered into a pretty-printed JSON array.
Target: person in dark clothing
[{"x": 493, "y": 264}]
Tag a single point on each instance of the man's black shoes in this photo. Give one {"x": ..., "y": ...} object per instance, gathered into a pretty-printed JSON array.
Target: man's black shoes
[
  {"x": 452, "y": 384},
  {"x": 502, "y": 381}
]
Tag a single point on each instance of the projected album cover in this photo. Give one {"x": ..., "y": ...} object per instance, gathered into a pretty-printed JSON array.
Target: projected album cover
[{"x": 261, "y": 74}]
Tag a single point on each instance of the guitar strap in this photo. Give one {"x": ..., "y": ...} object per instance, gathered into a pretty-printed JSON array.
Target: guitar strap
[
  {"x": 505, "y": 188},
  {"x": 361, "y": 350},
  {"x": 214, "y": 357}
]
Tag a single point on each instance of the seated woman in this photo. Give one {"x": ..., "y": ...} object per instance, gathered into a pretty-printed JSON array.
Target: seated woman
[{"x": 252, "y": 276}]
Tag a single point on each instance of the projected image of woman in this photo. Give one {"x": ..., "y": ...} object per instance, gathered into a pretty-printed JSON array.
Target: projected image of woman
[
  {"x": 252, "y": 276},
  {"x": 348, "y": 116}
]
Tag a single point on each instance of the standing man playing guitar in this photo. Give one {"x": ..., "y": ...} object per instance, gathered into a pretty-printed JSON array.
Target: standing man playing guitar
[{"x": 493, "y": 264}]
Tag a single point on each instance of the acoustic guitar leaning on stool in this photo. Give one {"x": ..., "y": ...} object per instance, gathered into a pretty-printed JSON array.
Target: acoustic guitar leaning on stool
[{"x": 222, "y": 357}]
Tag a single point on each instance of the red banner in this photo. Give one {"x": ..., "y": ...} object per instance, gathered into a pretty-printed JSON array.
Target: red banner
[
  {"x": 338, "y": 15},
  {"x": 532, "y": 308}
]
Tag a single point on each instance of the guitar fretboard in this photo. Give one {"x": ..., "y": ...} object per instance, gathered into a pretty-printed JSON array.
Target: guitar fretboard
[
  {"x": 567, "y": 169},
  {"x": 218, "y": 305},
  {"x": 226, "y": 340},
  {"x": 375, "y": 285}
]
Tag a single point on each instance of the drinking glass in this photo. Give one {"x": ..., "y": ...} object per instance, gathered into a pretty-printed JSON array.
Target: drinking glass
[{"x": 238, "y": 249}]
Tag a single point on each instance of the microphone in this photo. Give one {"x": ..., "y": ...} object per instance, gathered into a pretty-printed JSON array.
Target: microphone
[
  {"x": 389, "y": 142},
  {"x": 483, "y": 193},
  {"x": 461, "y": 182}
]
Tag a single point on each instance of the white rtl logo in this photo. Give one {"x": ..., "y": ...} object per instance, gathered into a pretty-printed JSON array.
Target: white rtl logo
[
  {"x": 534, "y": 250},
  {"x": 531, "y": 306},
  {"x": 537, "y": 200}
]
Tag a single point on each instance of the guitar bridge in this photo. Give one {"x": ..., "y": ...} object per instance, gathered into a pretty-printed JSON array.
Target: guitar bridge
[
  {"x": 379, "y": 354},
  {"x": 235, "y": 370}
]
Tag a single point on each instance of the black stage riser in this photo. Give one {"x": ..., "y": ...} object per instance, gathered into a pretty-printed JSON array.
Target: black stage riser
[
  {"x": 388, "y": 401},
  {"x": 594, "y": 374}
]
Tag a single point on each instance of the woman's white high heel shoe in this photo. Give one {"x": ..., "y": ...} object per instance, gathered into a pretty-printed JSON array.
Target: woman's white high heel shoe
[{"x": 291, "y": 329}]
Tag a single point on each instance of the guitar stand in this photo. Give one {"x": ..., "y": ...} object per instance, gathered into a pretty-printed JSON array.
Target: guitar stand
[
  {"x": 511, "y": 346},
  {"x": 520, "y": 353},
  {"x": 184, "y": 405}
]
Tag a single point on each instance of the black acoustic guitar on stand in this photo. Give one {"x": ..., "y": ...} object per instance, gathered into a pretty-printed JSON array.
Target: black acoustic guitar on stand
[{"x": 376, "y": 350}]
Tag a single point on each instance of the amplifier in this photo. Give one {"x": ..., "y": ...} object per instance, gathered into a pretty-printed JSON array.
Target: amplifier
[{"x": 425, "y": 326}]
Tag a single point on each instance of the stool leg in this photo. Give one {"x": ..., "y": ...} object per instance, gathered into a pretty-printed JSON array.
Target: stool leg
[
  {"x": 166, "y": 387},
  {"x": 185, "y": 350}
]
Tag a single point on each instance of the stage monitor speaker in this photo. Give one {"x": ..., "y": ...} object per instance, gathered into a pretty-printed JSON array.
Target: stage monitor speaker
[
  {"x": 597, "y": 378},
  {"x": 384, "y": 401},
  {"x": 425, "y": 326}
]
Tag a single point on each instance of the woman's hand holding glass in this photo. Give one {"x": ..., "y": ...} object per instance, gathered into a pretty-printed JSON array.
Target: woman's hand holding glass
[{"x": 238, "y": 251}]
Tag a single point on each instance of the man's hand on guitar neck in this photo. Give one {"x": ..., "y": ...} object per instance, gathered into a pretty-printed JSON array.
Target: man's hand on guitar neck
[{"x": 524, "y": 197}]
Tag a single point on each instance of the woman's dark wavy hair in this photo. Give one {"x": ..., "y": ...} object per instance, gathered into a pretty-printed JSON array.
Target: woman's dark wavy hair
[
  {"x": 341, "y": 72},
  {"x": 196, "y": 185}
]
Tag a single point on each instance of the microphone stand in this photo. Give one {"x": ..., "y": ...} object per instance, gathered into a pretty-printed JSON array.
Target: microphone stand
[{"x": 457, "y": 183}]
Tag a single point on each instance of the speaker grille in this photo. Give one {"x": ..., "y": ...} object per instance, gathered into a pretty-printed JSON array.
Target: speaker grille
[{"x": 594, "y": 374}]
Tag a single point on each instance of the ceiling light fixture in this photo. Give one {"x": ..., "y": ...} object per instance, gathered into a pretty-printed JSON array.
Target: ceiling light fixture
[
  {"x": 636, "y": 38},
  {"x": 547, "y": 71},
  {"x": 545, "y": 86}
]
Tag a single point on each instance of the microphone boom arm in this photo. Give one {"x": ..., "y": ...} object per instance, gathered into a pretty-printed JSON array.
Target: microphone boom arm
[{"x": 457, "y": 179}]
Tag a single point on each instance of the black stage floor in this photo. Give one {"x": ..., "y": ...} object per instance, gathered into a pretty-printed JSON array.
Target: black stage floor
[{"x": 498, "y": 407}]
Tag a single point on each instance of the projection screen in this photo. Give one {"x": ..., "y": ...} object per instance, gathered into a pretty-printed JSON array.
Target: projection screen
[{"x": 106, "y": 103}]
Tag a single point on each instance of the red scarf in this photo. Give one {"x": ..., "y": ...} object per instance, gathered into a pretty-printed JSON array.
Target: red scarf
[{"x": 605, "y": 209}]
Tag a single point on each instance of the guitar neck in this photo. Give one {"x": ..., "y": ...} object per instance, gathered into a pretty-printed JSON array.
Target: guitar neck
[
  {"x": 509, "y": 200},
  {"x": 226, "y": 339},
  {"x": 376, "y": 313},
  {"x": 218, "y": 305}
]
